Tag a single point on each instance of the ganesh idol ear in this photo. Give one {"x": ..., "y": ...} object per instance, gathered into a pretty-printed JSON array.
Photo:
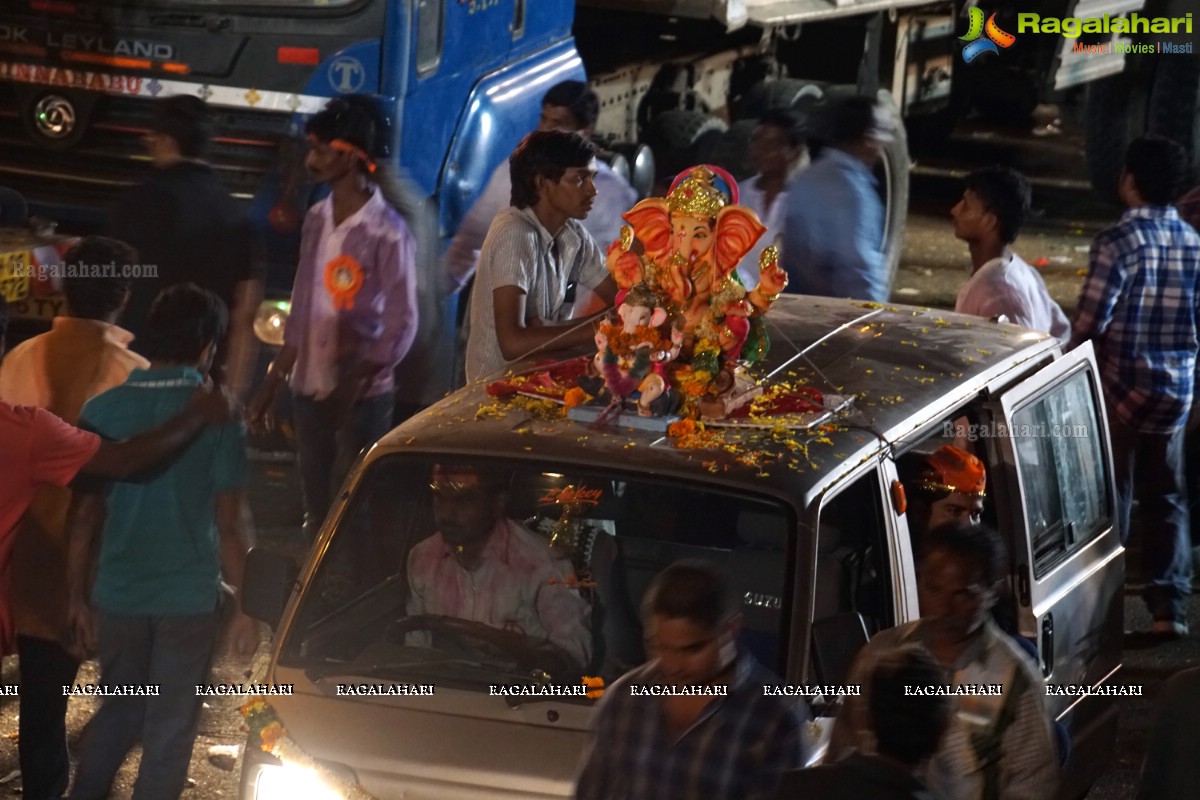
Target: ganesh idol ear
[
  {"x": 737, "y": 230},
  {"x": 658, "y": 317},
  {"x": 651, "y": 225}
]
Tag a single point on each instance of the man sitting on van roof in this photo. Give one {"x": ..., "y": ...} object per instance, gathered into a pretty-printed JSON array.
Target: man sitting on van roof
[
  {"x": 482, "y": 566},
  {"x": 694, "y": 722},
  {"x": 1000, "y": 743}
]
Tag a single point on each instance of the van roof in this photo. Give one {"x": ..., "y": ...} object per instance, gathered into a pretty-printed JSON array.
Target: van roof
[{"x": 904, "y": 365}]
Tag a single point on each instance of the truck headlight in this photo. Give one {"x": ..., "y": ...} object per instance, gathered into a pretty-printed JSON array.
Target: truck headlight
[
  {"x": 270, "y": 321},
  {"x": 291, "y": 782}
]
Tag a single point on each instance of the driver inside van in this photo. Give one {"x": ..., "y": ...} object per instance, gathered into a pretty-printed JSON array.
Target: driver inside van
[{"x": 483, "y": 567}]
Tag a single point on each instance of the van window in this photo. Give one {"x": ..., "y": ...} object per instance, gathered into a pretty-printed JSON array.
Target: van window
[
  {"x": 1064, "y": 478},
  {"x": 430, "y": 25},
  {"x": 852, "y": 577},
  {"x": 488, "y": 572}
]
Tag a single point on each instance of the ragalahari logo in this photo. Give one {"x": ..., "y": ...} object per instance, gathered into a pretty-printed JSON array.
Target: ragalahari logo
[{"x": 976, "y": 46}]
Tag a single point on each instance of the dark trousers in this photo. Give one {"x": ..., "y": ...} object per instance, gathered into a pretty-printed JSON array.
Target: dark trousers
[
  {"x": 1149, "y": 466},
  {"x": 327, "y": 452},
  {"x": 175, "y": 654},
  {"x": 42, "y": 729}
]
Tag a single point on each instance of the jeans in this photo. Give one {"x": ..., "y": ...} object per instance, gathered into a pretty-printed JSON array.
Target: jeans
[
  {"x": 42, "y": 729},
  {"x": 1149, "y": 466},
  {"x": 327, "y": 453},
  {"x": 173, "y": 652}
]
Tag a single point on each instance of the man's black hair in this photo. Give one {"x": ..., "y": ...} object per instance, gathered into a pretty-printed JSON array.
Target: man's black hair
[
  {"x": 578, "y": 98},
  {"x": 977, "y": 545},
  {"x": 3, "y": 321},
  {"x": 92, "y": 294},
  {"x": 692, "y": 590},
  {"x": 786, "y": 121},
  {"x": 547, "y": 154},
  {"x": 1159, "y": 167},
  {"x": 850, "y": 119},
  {"x": 908, "y": 724},
  {"x": 183, "y": 320},
  {"x": 1005, "y": 193},
  {"x": 185, "y": 119},
  {"x": 354, "y": 119}
]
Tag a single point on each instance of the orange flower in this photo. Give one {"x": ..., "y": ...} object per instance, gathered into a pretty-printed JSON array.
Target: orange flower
[
  {"x": 270, "y": 736},
  {"x": 595, "y": 686},
  {"x": 576, "y": 397},
  {"x": 678, "y": 430}
]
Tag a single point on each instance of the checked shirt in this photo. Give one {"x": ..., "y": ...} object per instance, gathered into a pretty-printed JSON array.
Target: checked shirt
[{"x": 1139, "y": 308}]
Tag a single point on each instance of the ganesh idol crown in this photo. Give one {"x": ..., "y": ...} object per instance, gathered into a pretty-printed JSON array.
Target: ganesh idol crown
[{"x": 685, "y": 328}]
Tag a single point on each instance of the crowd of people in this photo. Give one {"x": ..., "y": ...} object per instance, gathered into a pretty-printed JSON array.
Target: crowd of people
[{"x": 124, "y": 523}]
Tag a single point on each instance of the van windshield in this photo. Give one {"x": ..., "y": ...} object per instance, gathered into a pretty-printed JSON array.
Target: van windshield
[{"x": 478, "y": 572}]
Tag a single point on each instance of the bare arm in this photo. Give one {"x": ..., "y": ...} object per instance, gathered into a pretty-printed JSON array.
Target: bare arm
[
  {"x": 258, "y": 411},
  {"x": 120, "y": 460},
  {"x": 84, "y": 522},
  {"x": 243, "y": 345},
  {"x": 517, "y": 339},
  {"x": 233, "y": 529}
]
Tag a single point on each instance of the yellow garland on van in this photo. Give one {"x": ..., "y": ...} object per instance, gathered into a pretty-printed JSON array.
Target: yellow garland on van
[{"x": 266, "y": 726}]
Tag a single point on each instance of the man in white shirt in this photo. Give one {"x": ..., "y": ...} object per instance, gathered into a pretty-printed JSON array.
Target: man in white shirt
[
  {"x": 994, "y": 204},
  {"x": 570, "y": 107},
  {"x": 777, "y": 153},
  {"x": 535, "y": 249}
]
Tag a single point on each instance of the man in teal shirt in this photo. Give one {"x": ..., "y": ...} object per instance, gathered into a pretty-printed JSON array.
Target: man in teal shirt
[{"x": 168, "y": 539}]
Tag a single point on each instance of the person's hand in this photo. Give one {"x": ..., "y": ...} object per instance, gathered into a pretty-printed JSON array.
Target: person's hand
[
  {"x": 260, "y": 412},
  {"x": 218, "y": 406},
  {"x": 241, "y": 636},
  {"x": 772, "y": 279},
  {"x": 81, "y": 630}
]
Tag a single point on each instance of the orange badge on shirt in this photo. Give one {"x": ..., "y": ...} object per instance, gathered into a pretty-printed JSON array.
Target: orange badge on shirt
[{"x": 343, "y": 279}]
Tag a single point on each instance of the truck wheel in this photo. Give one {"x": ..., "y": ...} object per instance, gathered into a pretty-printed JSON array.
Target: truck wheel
[
  {"x": 780, "y": 93},
  {"x": 681, "y": 139},
  {"x": 733, "y": 150},
  {"x": 1115, "y": 114}
]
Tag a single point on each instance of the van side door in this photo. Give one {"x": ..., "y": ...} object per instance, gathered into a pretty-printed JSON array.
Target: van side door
[{"x": 1057, "y": 497}]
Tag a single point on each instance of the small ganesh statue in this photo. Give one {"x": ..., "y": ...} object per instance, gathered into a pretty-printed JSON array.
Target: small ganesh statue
[
  {"x": 632, "y": 353},
  {"x": 685, "y": 249}
]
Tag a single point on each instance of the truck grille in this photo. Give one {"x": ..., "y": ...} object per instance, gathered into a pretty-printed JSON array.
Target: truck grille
[{"x": 109, "y": 157}]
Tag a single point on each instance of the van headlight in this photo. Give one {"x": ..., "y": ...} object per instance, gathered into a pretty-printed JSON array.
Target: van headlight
[
  {"x": 292, "y": 782},
  {"x": 270, "y": 321}
]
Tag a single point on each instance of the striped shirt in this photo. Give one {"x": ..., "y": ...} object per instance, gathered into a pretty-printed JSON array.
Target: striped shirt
[
  {"x": 1024, "y": 765},
  {"x": 1139, "y": 308},
  {"x": 737, "y": 749},
  {"x": 520, "y": 252}
]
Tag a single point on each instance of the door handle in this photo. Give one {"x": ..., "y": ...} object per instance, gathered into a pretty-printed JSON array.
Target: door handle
[{"x": 1046, "y": 650}]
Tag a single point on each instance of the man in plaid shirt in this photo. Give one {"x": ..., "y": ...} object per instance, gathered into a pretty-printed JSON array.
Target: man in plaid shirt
[
  {"x": 1139, "y": 308},
  {"x": 695, "y": 722}
]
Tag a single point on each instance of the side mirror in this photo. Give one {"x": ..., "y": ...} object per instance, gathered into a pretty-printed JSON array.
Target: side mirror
[
  {"x": 267, "y": 584},
  {"x": 836, "y": 641}
]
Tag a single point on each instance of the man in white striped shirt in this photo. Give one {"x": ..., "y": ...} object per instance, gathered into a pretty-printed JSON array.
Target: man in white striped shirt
[{"x": 535, "y": 249}]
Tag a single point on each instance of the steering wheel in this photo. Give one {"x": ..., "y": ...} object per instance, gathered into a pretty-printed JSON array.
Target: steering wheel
[{"x": 512, "y": 645}]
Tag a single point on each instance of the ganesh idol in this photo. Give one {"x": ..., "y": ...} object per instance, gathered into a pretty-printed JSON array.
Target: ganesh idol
[{"x": 686, "y": 248}]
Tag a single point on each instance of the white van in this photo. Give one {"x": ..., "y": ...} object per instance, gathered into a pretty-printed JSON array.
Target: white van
[{"x": 807, "y": 522}]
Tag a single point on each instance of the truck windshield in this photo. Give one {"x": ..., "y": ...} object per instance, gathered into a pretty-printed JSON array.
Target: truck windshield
[{"x": 475, "y": 572}]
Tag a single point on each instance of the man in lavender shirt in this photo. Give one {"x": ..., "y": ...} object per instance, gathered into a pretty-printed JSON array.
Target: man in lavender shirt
[{"x": 354, "y": 306}]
